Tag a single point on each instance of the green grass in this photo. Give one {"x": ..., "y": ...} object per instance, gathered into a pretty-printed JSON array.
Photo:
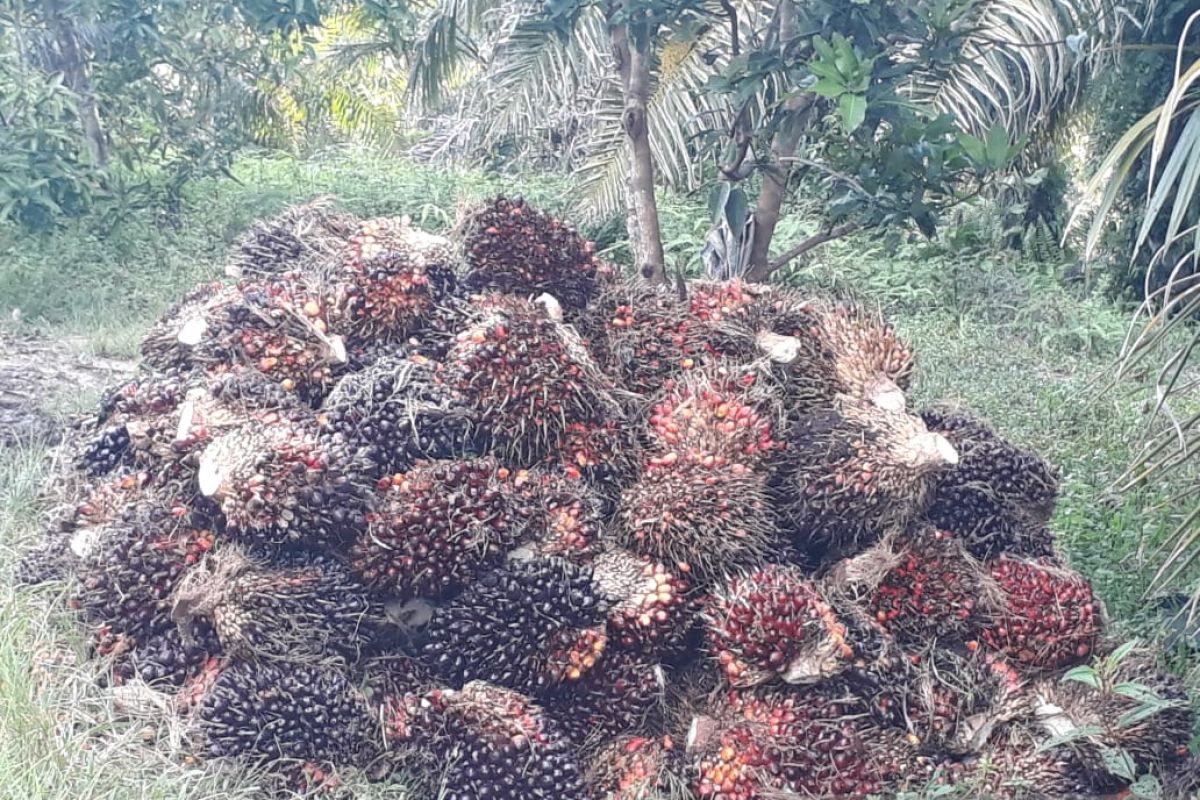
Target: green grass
[{"x": 991, "y": 332}]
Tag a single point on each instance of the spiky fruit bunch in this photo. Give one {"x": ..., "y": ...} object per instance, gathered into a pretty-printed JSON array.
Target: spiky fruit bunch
[
  {"x": 299, "y": 607},
  {"x": 277, "y": 480},
  {"x": 775, "y": 742},
  {"x": 243, "y": 390},
  {"x": 393, "y": 279},
  {"x": 956, "y": 699},
  {"x": 703, "y": 514},
  {"x": 999, "y": 497},
  {"x": 1016, "y": 768},
  {"x": 171, "y": 343},
  {"x": 567, "y": 516},
  {"x": 935, "y": 590},
  {"x": 618, "y": 696},
  {"x": 303, "y": 233},
  {"x": 524, "y": 375},
  {"x": 1049, "y": 619},
  {"x": 167, "y": 658},
  {"x": 267, "y": 712},
  {"x": 399, "y": 408},
  {"x": 111, "y": 449},
  {"x": 527, "y": 626},
  {"x": 126, "y": 583},
  {"x": 638, "y": 768},
  {"x": 772, "y": 622},
  {"x": 605, "y": 453},
  {"x": 870, "y": 361},
  {"x": 284, "y": 328},
  {"x": 1111, "y": 711},
  {"x": 499, "y": 744},
  {"x": 716, "y": 302},
  {"x": 440, "y": 525},
  {"x": 514, "y": 248},
  {"x": 643, "y": 334},
  {"x": 654, "y": 606},
  {"x": 855, "y": 470},
  {"x": 719, "y": 413}
]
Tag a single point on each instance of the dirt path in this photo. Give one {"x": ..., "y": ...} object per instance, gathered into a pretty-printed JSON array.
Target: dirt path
[{"x": 40, "y": 374}]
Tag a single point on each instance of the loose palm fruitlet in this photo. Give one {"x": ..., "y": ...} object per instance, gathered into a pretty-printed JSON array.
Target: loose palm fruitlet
[{"x": 473, "y": 515}]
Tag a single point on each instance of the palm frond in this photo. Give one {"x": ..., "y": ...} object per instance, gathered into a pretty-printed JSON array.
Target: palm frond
[{"x": 1021, "y": 64}]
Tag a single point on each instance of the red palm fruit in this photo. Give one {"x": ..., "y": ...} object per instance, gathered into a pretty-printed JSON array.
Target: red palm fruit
[
  {"x": 1113, "y": 708},
  {"x": 277, "y": 481},
  {"x": 394, "y": 277},
  {"x": 566, "y": 517},
  {"x": 301, "y": 235},
  {"x": 605, "y": 453},
  {"x": 441, "y": 524},
  {"x": 485, "y": 741},
  {"x": 719, "y": 412},
  {"x": 1049, "y": 619},
  {"x": 773, "y": 622},
  {"x": 716, "y": 302},
  {"x": 294, "y": 606},
  {"x": 999, "y": 497},
  {"x": 643, "y": 334},
  {"x": 514, "y": 248},
  {"x": 706, "y": 515},
  {"x": 638, "y": 768},
  {"x": 933, "y": 590},
  {"x": 654, "y": 607},
  {"x": 619, "y": 696},
  {"x": 852, "y": 472},
  {"x": 773, "y": 742},
  {"x": 526, "y": 377}
]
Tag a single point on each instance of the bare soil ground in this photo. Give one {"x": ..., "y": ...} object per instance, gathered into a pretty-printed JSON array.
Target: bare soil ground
[{"x": 40, "y": 374}]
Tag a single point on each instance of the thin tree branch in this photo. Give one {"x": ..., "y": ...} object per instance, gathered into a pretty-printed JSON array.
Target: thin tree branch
[{"x": 814, "y": 241}]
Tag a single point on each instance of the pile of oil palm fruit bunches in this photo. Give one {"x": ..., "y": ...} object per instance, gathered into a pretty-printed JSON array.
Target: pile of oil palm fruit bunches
[{"x": 479, "y": 511}]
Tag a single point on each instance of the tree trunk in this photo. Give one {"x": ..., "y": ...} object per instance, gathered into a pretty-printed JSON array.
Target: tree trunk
[
  {"x": 783, "y": 147},
  {"x": 633, "y": 63},
  {"x": 74, "y": 67}
]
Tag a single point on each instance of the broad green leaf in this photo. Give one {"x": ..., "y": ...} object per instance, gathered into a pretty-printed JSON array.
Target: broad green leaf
[
  {"x": 717, "y": 199},
  {"x": 974, "y": 147},
  {"x": 1083, "y": 674},
  {"x": 1120, "y": 654},
  {"x": 1072, "y": 735},
  {"x": 737, "y": 211},
  {"x": 827, "y": 87},
  {"x": 1118, "y": 762},
  {"x": 853, "y": 110}
]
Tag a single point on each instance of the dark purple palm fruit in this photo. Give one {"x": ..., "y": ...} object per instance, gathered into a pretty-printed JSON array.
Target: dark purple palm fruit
[
  {"x": 298, "y": 606},
  {"x": 299, "y": 235},
  {"x": 278, "y": 481},
  {"x": 126, "y": 580},
  {"x": 267, "y": 712},
  {"x": 929, "y": 588},
  {"x": 394, "y": 278},
  {"x": 638, "y": 768},
  {"x": 1182, "y": 782},
  {"x": 177, "y": 339},
  {"x": 495, "y": 743},
  {"x": 999, "y": 497},
  {"x": 619, "y": 696},
  {"x": 1118, "y": 708},
  {"x": 853, "y": 471},
  {"x": 525, "y": 376},
  {"x": 766, "y": 743},
  {"x": 529, "y": 626},
  {"x": 720, "y": 411},
  {"x": 167, "y": 658},
  {"x": 655, "y": 608},
  {"x": 514, "y": 248},
  {"x": 439, "y": 526},
  {"x": 1049, "y": 617},
  {"x": 705, "y": 515},
  {"x": 773, "y": 623},
  {"x": 400, "y": 409}
]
